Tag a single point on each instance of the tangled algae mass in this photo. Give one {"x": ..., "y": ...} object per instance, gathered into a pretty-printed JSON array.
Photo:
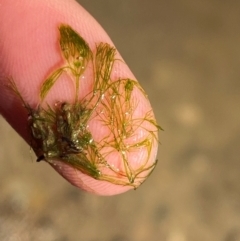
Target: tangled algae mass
[{"x": 125, "y": 152}]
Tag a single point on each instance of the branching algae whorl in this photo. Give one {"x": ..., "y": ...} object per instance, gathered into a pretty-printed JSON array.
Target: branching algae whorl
[{"x": 125, "y": 153}]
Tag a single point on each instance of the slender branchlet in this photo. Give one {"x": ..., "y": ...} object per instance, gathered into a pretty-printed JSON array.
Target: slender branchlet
[{"x": 62, "y": 131}]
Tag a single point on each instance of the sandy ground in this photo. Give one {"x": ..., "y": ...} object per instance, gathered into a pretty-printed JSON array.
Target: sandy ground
[{"x": 186, "y": 54}]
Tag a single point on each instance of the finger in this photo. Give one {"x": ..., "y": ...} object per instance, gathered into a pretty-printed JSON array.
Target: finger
[{"x": 120, "y": 155}]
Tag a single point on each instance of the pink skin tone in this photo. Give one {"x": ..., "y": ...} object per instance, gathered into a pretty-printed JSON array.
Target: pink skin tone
[{"x": 29, "y": 51}]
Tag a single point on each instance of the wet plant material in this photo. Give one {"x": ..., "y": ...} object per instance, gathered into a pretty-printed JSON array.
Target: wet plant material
[{"x": 62, "y": 132}]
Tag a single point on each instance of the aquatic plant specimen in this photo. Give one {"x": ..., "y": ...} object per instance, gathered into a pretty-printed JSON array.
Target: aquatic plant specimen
[{"x": 66, "y": 131}]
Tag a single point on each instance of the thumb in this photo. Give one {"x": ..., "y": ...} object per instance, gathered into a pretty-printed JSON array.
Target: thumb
[{"x": 66, "y": 90}]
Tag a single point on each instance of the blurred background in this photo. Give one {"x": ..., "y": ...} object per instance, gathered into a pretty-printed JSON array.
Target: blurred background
[{"x": 186, "y": 55}]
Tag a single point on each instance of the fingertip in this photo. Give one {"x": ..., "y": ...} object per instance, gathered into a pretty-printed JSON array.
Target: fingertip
[{"x": 105, "y": 141}]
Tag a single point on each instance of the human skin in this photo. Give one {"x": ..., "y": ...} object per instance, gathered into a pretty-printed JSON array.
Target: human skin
[{"x": 29, "y": 53}]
